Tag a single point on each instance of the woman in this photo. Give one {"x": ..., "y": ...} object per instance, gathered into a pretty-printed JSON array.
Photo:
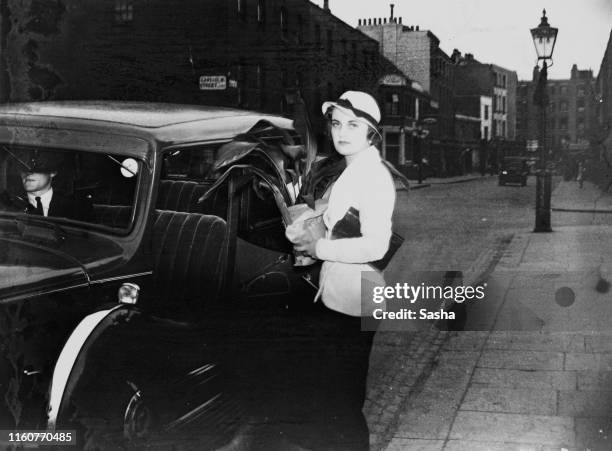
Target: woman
[{"x": 366, "y": 186}]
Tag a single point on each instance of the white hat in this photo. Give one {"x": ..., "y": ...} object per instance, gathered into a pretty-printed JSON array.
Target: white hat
[{"x": 357, "y": 104}]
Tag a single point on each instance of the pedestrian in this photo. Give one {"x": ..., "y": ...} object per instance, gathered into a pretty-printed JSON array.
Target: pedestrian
[
  {"x": 580, "y": 176},
  {"x": 365, "y": 186}
]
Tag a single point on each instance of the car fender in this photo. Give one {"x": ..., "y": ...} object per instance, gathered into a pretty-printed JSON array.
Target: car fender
[{"x": 66, "y": 366}]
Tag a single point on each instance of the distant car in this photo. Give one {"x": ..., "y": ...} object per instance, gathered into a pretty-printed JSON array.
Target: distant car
[
  {"x": 514, "y": 170},
  {"x": 134, "y": 325}
]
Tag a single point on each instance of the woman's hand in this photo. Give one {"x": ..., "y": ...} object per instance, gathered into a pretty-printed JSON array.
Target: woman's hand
[
  {"x": 308, "y": 245},
  {"x": 304, "y": 235}
]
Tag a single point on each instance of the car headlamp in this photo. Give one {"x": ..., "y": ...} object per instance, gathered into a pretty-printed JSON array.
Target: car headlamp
[{"x": 128, "y": 293}]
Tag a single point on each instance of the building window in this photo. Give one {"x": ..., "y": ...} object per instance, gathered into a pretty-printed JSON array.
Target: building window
[
  {"x": 124, "y": 11},
  {"x": 283, "y": 22},
  {"x": 261, "y": 12},
  {"x": 580, "y": 105},
  {"x": 486, "y": 112},
  {"x": 344, "y": 51},
  {"x": 410, "y": 103},
  {"x": 283, "y": 102},
  {"x": 580, "y": 91},
  {"x": 391, "y": 104},
  {"x": 563, "y": 123},
  {"x": 300, "y": 29},
  {"x": 553, "y": 90},
  {"x": 318, "y": 35},
  {"x": 563, "y": 90},
  {"x": 241, "y": 5},
  {"x": 261, "y": 84},
  {"x": 503, "y": 104},
  {"x": 330, "y": 43},
  {"x": 563, "y": 106},
  {"x": 503, "y": 126},
  {"x": 486, "y": 133}
]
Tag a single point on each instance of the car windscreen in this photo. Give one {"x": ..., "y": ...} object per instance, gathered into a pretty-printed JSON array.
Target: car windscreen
[{"x": 92, "y": 188}]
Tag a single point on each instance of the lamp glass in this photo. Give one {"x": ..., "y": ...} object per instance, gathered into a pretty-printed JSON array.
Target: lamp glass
[{"x": 544, "y": 38}]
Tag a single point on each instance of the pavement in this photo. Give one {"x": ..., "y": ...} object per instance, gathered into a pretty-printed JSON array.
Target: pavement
[
  {"x": 440, "y": 181},
  {"x": 568, "y": 196},
  {"x": 532, "y": 369}
]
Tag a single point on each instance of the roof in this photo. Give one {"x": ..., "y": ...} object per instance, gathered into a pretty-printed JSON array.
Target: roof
[
  {"x": 139, "y": 114},
  {"x": 106, "y": 125}
]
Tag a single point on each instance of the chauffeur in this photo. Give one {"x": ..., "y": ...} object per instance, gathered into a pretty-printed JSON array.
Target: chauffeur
[{"x": 37, "y": 180}]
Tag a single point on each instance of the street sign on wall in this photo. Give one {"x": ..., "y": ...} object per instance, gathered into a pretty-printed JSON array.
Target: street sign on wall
[
  {"x": 532, "y": 145},
  {"x": 213, "y": 82}
]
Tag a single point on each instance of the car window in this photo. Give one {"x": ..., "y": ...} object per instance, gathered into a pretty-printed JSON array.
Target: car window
[
  {"x": 88, "y": 187},
  {"x": 187, "y": 173}
]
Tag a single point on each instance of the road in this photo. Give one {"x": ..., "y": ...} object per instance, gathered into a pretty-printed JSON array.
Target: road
[{"x": 461, "y": 227}]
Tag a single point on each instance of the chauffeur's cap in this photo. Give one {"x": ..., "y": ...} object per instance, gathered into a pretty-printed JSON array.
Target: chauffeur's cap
[{"x": 38, "y": 160}]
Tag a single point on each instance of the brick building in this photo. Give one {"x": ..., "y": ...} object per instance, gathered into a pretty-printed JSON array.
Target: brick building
[
  {"x": 570, "y": 116},
  {"x": 474, "y": 80},
  {"x": 418, "y": 55},
  {"x": 403, "y": 104},
  {"x": 242, "y": 53},
  {"x": 603, "y": 93}
]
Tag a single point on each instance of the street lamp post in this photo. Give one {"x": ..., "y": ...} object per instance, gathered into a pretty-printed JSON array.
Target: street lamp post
[{"x": 544, "y": 37}]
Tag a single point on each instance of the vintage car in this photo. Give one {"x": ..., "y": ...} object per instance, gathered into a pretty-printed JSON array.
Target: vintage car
[
  {"x": 514, "y": 170},
  {"x": 137, "y": 321}
]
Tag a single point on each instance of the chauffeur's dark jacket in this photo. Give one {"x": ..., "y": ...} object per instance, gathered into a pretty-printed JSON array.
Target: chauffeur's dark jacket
[{"x": 66, "y": 207}]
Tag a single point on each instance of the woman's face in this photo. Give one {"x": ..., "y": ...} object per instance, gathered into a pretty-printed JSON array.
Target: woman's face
[{"x": 350, "y": 135}]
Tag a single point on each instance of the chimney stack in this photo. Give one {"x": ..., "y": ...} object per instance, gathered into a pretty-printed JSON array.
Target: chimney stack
[
  {"x": 417, "y": 28},
  {"x": 391, "y": 16},
  {"x": 326, "y": 5},
  {"x": 400, "y": 20}
]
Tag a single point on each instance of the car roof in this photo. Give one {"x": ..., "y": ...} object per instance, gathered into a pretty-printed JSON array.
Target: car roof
[
  {"x": 163, "y": 122},
  {"x": 139, "y": 114}
]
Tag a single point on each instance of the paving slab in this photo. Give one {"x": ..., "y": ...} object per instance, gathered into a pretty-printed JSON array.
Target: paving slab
[
  {"x": 521, "y": 360},
  {"x": 601, "y": 342},
  {"x": 470, "y": 445},
  {"x": 413, "y": 444},
  {"x": 587, "y": 361},
  {"x": 510, "y": 427},
  {"x": 430, "y": 412},
  {"x": 511, "y": 400},
  {"x": 594, "y": 380},
  {"x": 594, "y": 433},
  {"x": 585, "y": 403},
  {"x": 535, "y": 341},
  {"x": 557, "y": 380},
  {"x": 466, "y": 341}
]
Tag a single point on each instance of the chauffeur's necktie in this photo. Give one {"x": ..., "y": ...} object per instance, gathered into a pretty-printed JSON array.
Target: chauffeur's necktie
[{"x": 39, "y": 207}]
